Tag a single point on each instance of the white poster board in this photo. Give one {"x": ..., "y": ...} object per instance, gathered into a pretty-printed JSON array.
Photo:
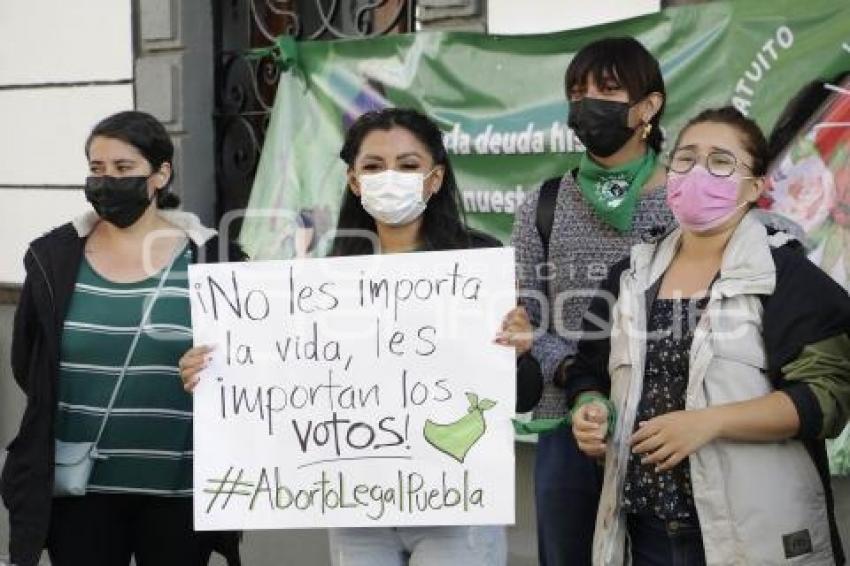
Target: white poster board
[{"x": 357, "y": 391}]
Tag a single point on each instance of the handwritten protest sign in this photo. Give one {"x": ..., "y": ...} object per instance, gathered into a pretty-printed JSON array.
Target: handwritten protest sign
[{"x": 356, "y": 391}]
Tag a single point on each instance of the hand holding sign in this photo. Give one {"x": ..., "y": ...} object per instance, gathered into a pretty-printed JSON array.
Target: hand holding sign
[{"x": 192, "y": 363}]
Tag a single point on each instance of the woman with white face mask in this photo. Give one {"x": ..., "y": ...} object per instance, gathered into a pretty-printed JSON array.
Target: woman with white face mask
[
  {"x": 402, "y": 197},
  {"x": 713, "y": 365},
  {"x": 402, "y": 191}
]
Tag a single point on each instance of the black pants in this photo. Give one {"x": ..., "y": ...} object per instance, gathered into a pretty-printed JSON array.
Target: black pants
[
  {"x": 106, "y": 530},
  {"x": 654, "y": 542}
]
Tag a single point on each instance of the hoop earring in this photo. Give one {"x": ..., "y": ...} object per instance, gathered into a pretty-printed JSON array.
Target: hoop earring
[{"x": 647, "y": 128}]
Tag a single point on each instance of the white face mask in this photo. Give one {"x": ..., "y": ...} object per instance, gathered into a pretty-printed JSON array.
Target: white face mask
[{"x": 392, "y": 197}]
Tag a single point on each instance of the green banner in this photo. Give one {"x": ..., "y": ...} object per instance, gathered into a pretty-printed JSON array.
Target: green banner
[{"x": 500, "y": 101}]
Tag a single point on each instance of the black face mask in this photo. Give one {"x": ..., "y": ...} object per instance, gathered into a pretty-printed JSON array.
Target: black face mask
[
  {"x": 118, "y": 200},
  {"x": 601, "y": 125}
]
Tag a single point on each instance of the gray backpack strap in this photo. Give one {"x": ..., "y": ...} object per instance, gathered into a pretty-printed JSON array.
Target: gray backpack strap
[{"x": 132, "y": 350}]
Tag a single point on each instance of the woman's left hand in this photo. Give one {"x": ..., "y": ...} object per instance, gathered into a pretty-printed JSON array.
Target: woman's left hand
[
  {"x": 668, "y": 439},
  {"x": 516, "y": 331}
]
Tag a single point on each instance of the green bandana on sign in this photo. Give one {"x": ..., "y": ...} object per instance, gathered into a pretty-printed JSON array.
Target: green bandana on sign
[{"x": 614, "y": 193}]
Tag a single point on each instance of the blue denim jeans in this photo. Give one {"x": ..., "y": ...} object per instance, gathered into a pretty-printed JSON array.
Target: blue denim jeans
[
  {"x": 566, "y": 491},
  {"x": 419, "y": 546},
  {"x": 654, "y": 542}
]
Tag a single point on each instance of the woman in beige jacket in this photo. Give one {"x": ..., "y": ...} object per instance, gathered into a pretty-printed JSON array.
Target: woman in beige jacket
[{"x": 713, "y": 365}]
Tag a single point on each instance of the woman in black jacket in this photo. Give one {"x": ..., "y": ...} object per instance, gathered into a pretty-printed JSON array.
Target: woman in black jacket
[{"x": 102, "y": 320}]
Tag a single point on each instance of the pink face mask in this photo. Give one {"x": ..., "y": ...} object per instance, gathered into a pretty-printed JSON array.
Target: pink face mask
[{"x": 700, "y": 201}]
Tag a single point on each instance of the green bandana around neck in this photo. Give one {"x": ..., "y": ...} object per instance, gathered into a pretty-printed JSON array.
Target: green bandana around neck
[{"x": 614, "y": 193}]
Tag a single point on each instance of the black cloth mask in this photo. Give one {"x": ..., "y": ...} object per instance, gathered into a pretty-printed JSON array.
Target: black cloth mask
[
  {"x": 601, "y": 125},
  {"x": 118, "y": 200}
]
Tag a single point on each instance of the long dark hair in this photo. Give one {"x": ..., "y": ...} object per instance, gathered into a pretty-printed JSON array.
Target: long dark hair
[
  {"x": 628, "y": 62},
  {"x": 146, "y": 134},
  {"x": 444, "y": 225}
]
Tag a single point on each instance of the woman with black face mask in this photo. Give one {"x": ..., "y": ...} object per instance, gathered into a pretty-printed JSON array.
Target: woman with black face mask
[
  {"x": 616, "y": 98},
  {"x": 101, "y": 470}
]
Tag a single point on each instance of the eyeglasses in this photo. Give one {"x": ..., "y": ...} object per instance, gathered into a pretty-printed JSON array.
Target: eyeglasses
[{"x": 718, "y": 163}]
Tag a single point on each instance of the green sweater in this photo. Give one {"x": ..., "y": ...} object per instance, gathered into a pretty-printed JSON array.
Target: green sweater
[
  {"x": 147, "y": 441},
  {"x": 825, "y": 367}
]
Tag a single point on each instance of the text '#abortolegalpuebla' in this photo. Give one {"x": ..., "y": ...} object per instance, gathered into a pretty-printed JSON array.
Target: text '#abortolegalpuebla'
[{"x": 409, "y": 494}]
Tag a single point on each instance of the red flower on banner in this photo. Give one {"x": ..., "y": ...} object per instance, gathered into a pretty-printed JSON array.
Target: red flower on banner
[
  {"x": 833, "y": 132},
  {"x": 841, "y": 208},
  {"x": 804, "y": 192}
]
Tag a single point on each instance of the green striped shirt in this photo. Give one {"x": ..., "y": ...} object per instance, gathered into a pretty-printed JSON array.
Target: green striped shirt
[{"x": 147, "y": 441}]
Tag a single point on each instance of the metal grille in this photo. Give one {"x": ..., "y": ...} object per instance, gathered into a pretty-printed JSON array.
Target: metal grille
[{"x": 246, "y": 85}]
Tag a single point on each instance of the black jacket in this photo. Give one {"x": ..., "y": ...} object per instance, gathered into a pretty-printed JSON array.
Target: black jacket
[{"x": 26, "y": 484}]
